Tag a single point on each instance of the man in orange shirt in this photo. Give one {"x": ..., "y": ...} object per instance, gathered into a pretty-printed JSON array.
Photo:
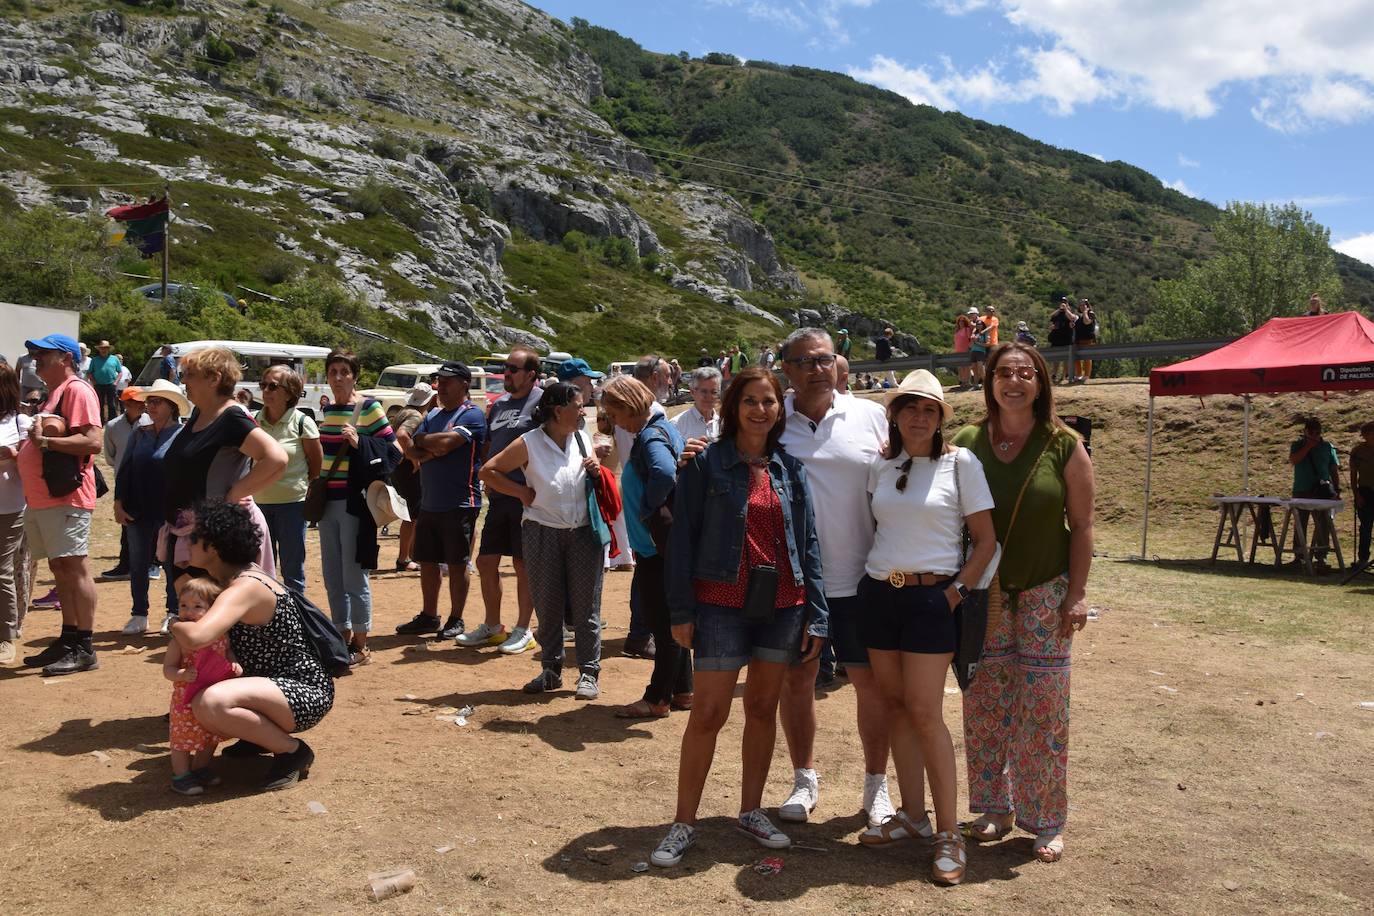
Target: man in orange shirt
[
  {"x": 991, "y": 322},
  {"x": 57, "y": 522}
]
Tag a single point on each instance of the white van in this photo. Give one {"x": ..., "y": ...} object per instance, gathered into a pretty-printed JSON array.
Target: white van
[{"x": 254, "y": 358}]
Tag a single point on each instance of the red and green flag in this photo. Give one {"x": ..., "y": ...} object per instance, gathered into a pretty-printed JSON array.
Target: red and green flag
[{"x": 145, "y": 225}]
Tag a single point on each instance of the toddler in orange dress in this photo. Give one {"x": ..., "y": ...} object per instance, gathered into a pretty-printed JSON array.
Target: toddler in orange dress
[{"x": 192, "y": 745}]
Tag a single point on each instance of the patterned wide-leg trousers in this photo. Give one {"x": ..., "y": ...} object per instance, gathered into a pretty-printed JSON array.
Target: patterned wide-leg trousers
[{"x": 1016, "y": 713}]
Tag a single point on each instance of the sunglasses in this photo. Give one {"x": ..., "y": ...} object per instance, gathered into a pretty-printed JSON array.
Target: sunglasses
[
  {"x": 272, "y": 386},
  {"x": 512, "y": 367},
  {"x": 1025, "y": 373},
  {"x": 811, "y": 362},
  {"x": 905, "y": 468}
]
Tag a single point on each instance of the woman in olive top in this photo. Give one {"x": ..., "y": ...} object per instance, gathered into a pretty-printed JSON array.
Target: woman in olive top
[
  {"x": 283, "y": 503},
  {"x": 1042, "y": 482}
]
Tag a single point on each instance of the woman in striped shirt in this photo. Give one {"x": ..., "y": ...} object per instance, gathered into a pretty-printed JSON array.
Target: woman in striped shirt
[{"x": 353, "y": 432}]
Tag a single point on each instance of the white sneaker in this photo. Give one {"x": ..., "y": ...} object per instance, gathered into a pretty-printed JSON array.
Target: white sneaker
[
  {"x": 877, "y": 803},
  {"x": 806, "y": 791},
  {"x": 519, "y": 640},
  {"x": 154, "y": 572},
  {"x": 136, "y": 626},
  {"x": 7, "y": 653},
  {"x": 480, "y": 635},
  {"x": 166, "y": 628},
  {"x": 679, "y": 839},
  {"x": 756, "y": 825}
]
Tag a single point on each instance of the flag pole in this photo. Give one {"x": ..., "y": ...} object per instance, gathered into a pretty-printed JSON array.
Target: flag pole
[{"x": 166, "y": 242}]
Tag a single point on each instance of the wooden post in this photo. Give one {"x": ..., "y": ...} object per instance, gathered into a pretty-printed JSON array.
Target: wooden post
[{"x": 166, "y": 242}]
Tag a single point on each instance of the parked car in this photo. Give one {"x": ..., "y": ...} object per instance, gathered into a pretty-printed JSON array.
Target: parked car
[
  {"x": 394, "y": 383},
  {"x": 153, "y": 291}
]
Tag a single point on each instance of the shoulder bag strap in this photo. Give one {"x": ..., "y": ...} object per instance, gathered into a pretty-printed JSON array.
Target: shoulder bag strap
[{"x": 343, "y": 449}]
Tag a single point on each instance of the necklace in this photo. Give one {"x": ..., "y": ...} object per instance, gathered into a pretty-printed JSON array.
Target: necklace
[{"x": 1006, "y": 443}]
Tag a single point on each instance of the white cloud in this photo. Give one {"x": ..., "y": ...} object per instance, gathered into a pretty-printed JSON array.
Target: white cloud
[
  {"x": 824, "y": 19},
  {"x": 1188, "y": 163},
  {"x": 1359, "y": 246},
  {"x": 1306, "y": 64},
  {"x": 1178, "y": 185},
  {"x": 915, "y": 83},
  {"x": 1098, "y": 156}
]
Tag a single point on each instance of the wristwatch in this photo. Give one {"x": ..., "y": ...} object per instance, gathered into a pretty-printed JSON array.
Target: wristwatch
[{"x": 961, "y": 588}]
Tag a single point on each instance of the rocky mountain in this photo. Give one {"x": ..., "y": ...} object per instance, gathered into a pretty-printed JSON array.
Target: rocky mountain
[{"x": 483, "y": 174}]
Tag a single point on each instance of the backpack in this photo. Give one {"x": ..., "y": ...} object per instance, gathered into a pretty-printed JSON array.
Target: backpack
[{"x": 322, "y": 635}]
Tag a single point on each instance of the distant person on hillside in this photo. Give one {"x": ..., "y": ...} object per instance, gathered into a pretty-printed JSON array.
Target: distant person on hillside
[
  {"x": 1316, "y": 475},
  {"x": 963, "y": 340},
  {"x": 705, "y": 360},
  {"x": 1315, "y": 305},
  {"x": 103, "y": 373},
  {"x": 979, "y": 344},
  {"x": 843, "y": 345},
  {"x": 1362, "y": 485},
  {"x": 1085, "y": 335},
  {"x": 168, "y": 367},
  {"x": 882, "y": 351},
  {"x": 1024, "y": 335},
  {"x": 1062, "y": 323}
]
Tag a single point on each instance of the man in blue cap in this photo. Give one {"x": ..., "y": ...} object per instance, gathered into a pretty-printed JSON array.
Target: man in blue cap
[
  {"x": 577, "y": 372},
  {"x": 57, "y": 520}
]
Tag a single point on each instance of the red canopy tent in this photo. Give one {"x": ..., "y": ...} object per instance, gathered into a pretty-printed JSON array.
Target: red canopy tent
[{"x": 1312, "y": 353}]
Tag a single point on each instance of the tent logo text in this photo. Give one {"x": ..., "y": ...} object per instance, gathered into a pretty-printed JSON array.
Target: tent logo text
[{"x": 1361, "y": 373}]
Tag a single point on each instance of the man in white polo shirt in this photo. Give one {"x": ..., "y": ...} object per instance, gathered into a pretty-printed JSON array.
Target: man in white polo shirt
[{"x": 837, "y": 437}]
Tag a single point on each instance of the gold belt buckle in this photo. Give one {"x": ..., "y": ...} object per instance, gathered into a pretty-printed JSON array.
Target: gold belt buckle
[{"x": 896, "y": 578}]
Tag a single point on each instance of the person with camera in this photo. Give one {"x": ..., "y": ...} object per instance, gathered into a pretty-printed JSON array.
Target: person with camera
[
  {"x": 1063, "y": 326},
  {"x": 1316, "y": 475}
]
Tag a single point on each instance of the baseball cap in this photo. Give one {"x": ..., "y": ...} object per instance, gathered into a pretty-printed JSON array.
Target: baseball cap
[
  {"x": 454, "y": 369},
  {"x": 570, "y": 369},
  {"x": 60, "y": 342},
  {"x": 129, "y": 394}
]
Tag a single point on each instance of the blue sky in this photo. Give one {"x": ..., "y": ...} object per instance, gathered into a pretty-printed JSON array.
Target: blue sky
[{"x": 1258, "y": 100}]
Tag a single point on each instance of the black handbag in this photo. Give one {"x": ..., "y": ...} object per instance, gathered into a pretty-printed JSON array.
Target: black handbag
[
  {"x": 317, "y": 491},
  {"x": 761, "y": 593},
  {"x": 62, "y": 473},
  {"x": 322, "y": 635}
]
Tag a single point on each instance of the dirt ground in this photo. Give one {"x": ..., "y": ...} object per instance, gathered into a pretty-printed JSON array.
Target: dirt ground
[{"x": 1218, "y": 765}]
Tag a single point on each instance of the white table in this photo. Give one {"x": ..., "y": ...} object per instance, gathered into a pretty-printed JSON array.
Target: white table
[
  {"x": 1323, "y": 515},
  {"x": 1230, "y": 527}
]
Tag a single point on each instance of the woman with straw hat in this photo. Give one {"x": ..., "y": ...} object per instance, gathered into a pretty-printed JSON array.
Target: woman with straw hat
[{"x": 922, "y": 492}]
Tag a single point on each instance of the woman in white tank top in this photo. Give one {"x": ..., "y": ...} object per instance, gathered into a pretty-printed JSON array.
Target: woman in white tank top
[{"x": 563, "y": 555}]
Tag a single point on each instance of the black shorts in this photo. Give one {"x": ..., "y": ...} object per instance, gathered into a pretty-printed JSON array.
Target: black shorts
[
  {"x": 444, "y": 537},
  {"x": 977, "y": 356},
  {"x": 501, "y": 530},
  {"x": 913, "y": 619},
  {"x": 844, "y": 630}
]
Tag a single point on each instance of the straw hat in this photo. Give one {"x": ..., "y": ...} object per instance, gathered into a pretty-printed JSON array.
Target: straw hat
[
  {"x": 385, "y": 504},
  {"x": 167, "y": 390},
  {"x": 920, "y": 383}
]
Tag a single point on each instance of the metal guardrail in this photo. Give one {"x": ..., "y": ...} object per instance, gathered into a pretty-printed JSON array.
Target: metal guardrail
[{"x": 1156, "y": 349}]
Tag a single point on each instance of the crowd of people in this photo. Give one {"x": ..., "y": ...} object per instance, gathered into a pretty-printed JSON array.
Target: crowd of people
[{"x": 778, "y": 524}]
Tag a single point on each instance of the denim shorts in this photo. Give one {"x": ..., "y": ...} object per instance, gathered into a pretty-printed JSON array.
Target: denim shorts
[{"x": 724, "y": 641}]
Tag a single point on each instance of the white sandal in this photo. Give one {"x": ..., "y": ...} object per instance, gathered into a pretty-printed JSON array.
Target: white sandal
[{"x": 1049, "y": 847}]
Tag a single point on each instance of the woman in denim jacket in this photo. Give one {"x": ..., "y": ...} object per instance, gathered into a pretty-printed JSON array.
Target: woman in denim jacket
[{"x": 741, "y": 504}]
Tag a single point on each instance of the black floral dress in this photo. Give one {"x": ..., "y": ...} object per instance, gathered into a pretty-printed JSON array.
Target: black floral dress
[{"x": 280, "y": 651}]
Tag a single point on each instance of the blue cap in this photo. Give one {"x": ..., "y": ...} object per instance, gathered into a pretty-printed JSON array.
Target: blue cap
[
  {"x": 56, "y": 342},
  {"x": 571, "y": 368}
]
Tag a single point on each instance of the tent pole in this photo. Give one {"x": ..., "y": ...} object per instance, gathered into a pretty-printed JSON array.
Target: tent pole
[
  {"x": 1246, "y": 445},
  {"x": 1149, "y": 454}
]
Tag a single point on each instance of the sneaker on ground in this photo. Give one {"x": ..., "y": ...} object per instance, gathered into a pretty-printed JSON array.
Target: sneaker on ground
[
  {"x": 806, "y": 791},
  {"x": 452, "y": 629},
  {"x": 115, "y": 575},
  {"x": 756, "y": 825},
  {"x": 586, "y": 686},
  {"x": 640, "y": 648},
  {"x": 877, "y": 802},
  {"x": 483, "y": 635},
  {"x": 50, "y": 600},
  {"x": 546, "y": 680},
  {"x": 519, "y": 640},
  {"x": 154, "y": 572},
  {"x": 679, "y": 839},
  {"x": 76, "y": 659},
  {"x": 166, "y": 628},
  {"x": 55, "y": 650},
  {"x": 7, "y": 653},
  {"x": 135, "y": 626},
  {"x": 419, "y": 625},
  {"x": 187, "y": 784},
  {"x": 569, "y": 637}
]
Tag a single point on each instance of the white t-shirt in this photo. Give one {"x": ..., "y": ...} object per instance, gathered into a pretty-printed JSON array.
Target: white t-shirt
[
  {"x": 693, "y": 425},
  {"x": 559, "y": 482},
  {"x": 921, "y": 528},
  {"x": 624, "y": 441},
  {"x": 838, "y": 452},
  {"x": 13, "y": 430}
]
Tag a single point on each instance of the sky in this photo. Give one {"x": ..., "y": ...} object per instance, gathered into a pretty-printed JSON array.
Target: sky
[{"x": 1258, "y": 100}]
